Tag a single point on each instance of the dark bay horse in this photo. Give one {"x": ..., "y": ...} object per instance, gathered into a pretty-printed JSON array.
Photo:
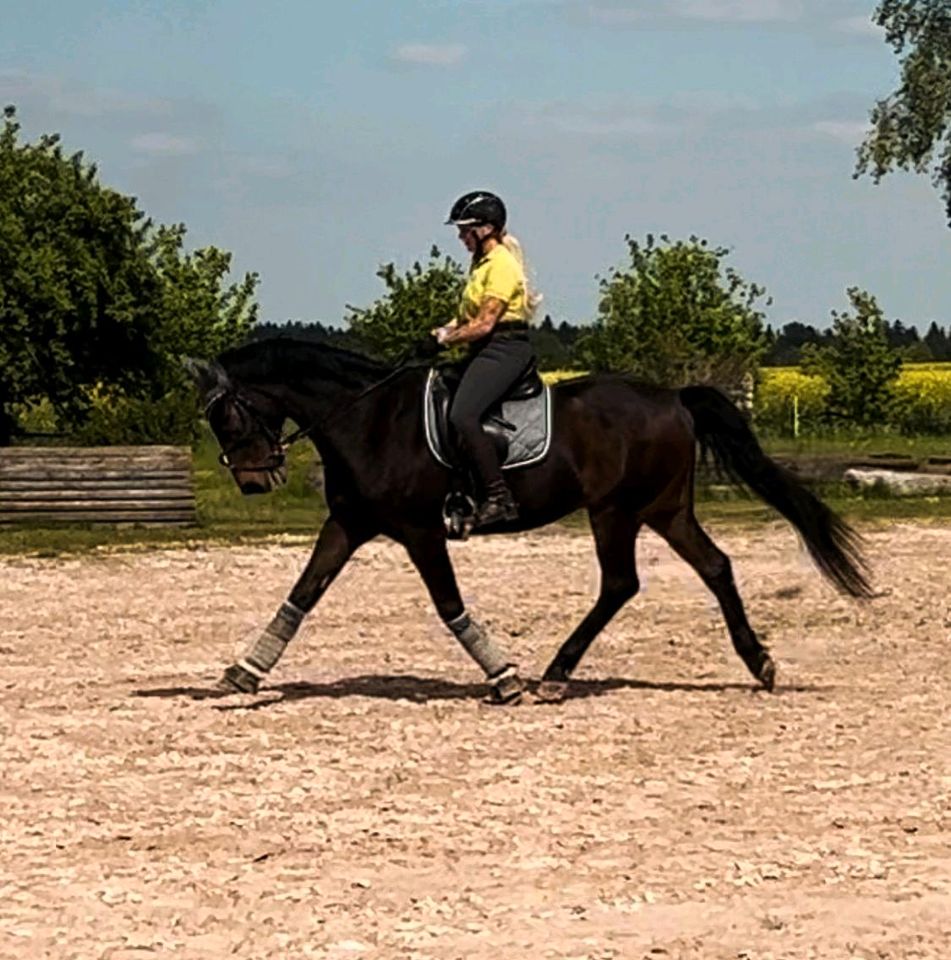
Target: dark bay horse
[{"x": 623, "y": 451}]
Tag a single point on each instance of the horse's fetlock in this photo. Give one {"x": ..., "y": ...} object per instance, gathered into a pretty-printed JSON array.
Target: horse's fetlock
[
  {"x": 505, "y": 688},
  {"x": 238, "y": 679}
]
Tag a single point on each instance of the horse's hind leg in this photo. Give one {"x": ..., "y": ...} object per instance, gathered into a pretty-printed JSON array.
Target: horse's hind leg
[
  {"x": 334, "y": 547},
  {"x": 615, "y": 530},
  {"x": 682, "y": 531}
]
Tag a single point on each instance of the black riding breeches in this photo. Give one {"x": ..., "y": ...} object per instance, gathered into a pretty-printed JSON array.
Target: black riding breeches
[{"x": 495, "y": 367}]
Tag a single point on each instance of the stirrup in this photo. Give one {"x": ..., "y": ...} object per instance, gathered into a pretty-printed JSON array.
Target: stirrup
[{"x": 458, "y": 516}]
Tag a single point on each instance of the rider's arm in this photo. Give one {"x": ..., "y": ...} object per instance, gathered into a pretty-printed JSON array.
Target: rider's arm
[{"x": 482, "y": 324}]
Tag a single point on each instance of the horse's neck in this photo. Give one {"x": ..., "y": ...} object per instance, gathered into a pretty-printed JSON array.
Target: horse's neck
[
  {"x": 307, "y": 403},
  {"x": 347, "y": 417}
]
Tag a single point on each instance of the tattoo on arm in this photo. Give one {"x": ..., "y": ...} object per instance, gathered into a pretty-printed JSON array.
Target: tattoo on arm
[{"x": 490, "y": 312}]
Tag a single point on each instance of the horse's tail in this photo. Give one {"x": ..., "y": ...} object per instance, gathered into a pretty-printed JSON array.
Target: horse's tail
[{"x": 722, "y": 430}]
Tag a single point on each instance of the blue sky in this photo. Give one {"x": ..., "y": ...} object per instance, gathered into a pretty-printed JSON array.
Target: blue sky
[{"x": 317, "y": 140}]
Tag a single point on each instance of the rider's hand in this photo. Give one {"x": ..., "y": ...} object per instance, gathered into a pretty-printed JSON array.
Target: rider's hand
[
  {"x": 426, "y": 348},
  {"x": 441, "y": 333}
]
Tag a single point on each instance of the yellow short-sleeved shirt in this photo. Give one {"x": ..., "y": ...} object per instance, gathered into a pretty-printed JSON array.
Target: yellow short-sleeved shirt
[{"x": 498, "y": 274}]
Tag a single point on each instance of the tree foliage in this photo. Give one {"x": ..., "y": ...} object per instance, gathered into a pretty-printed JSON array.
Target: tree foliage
[
  {"x": 425, "y": 296},
  {"x": 674, "y": 315},
  {"x": 910, "y": 127},
  {"x": 92, "y": 295},
  {"x": 858, "y": 364},
  {"x": 203, "y": 314}
]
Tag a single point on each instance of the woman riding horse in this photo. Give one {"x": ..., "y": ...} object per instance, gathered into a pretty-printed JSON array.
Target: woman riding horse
[
  {"x": 624, "y": 451},
  {"x": 493, "y": 320}
]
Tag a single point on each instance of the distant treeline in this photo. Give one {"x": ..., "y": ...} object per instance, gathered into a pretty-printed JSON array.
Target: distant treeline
[
  {"x": 786, "y": 344},
  {"x": 554, "y": 345}
]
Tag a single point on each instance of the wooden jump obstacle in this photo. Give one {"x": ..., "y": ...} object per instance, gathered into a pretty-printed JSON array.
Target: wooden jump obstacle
[{"x": 147, "y": 485}]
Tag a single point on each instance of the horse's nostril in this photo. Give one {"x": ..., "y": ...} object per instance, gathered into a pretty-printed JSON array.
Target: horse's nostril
[{"x": 249, "y": 487}]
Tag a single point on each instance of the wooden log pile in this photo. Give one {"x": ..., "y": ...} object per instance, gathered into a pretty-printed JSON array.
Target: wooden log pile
[
  {"x": 146, "y": 485},
  {"x": 900, "y": 483}
]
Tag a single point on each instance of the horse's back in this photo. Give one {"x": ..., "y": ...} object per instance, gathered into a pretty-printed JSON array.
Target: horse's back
[
  {"x": 621, "y": 434},
  {"x": 623, "y": 401}
]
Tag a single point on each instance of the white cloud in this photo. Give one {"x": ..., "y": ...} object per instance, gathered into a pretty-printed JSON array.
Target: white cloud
[
  {"x": 859, "y": 26},
  {"x": 743, "y": 11},
  {"x": 615, "y": 16},
  {"x": 684, "y": 114},
  {"x": 607, "y": 124},
  {"x": 67, "y": 98},
  {"x": 430, "y": 55},
  {"x": 269, "y": 167},
  {"x": 851, "y": 132},
  {"x": 164, "y": 144},
  {"x": 628, "y": 13},
  {"x": 637, "y": 119}
]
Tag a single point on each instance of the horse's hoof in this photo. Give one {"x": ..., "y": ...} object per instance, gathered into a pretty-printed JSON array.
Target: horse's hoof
[
  {"x": 505, "y": 689},
  {"x": 767, "y": 673},
  {"x": 236, "y": 679},
  {"x": 551, "y": 691}
]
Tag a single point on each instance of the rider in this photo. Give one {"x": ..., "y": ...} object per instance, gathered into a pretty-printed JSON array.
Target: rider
[{"x": 493, "y": 320}]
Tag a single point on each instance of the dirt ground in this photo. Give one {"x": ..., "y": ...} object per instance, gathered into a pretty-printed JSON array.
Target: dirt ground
[{"x": 366, "y": 804}]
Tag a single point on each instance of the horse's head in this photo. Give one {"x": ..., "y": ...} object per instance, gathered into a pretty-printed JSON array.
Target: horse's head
[{"x": 247, "y": 424}]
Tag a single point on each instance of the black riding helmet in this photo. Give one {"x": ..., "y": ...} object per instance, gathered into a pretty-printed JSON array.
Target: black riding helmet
[{"x": 477, "y": 208}]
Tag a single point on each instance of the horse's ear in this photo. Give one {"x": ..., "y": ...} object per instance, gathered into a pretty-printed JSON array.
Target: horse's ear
[{"x": 208, "y": 375}]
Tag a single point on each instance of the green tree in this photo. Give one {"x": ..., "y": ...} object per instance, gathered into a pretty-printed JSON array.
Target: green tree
[
  {"x": 551, "y": 351},
  {"x": 674, "y": 315},
  {"x": 858, "y": 363},
  {"x": 425, "y": 296},
  {"x": 93, "y": 298},
  {"x": 910, "y": 127},
  {"x": 202, "y": 314}
]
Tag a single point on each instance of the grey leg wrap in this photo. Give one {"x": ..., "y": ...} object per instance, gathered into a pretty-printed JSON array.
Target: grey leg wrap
[
  {"x": 477, "y": 644},
  {"x": 261, "y": 656}
]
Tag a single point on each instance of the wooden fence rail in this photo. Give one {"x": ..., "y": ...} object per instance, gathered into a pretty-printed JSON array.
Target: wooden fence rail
[{"x": 146, "y": 485}]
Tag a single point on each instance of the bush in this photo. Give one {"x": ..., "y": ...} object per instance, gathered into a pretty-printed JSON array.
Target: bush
[
  {"x": 116, "y": 419},
  {"x": 120, "y": 420},
  {"x": 922, "y": 401},
  {"x": 674, "y": 314},
  {"x": 425, "y": 296},
  {"x": 858, "y": 363}
]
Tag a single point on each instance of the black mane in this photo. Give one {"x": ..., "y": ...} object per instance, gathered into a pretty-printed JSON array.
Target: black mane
[{"x": 284, "y": 358}]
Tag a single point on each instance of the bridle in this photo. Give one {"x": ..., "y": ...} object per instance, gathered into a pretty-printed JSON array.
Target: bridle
[{"x": 279, "y": 444}]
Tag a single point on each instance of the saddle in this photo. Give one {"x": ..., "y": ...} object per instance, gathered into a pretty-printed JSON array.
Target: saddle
[{"x": 519, "y": 426}]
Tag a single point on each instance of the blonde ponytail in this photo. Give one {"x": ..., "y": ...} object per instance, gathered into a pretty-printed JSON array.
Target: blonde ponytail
[{"x": 532, "y": 297}]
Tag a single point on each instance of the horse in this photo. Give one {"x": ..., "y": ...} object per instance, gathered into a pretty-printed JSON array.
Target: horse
[{"x": 625, "y": 452}]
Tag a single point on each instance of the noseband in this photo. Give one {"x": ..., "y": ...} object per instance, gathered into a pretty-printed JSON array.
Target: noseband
[{"x": 279, "y": 445}]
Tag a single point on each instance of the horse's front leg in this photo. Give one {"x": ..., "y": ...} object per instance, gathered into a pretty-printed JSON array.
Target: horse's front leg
[
  {"x": 335, "y": 545},
  {"x": 431, "y": 558}
]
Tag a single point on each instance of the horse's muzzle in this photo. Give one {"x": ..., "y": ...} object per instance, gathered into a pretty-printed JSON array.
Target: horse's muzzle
[{"x": 260, "y": 481}]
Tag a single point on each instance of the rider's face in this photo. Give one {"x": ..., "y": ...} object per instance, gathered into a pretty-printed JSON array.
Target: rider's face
[{"x": 469, "y": 238}]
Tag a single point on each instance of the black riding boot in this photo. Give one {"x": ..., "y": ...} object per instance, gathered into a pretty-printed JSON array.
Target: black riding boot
[{"x": 499, "y": 505}]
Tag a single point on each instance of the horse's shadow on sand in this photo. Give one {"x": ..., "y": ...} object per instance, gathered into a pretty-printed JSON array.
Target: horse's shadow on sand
[{"x": 426, "y": 689}]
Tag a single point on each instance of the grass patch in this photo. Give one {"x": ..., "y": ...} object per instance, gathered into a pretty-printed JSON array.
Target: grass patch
[{"x": 860, "y": 444}]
